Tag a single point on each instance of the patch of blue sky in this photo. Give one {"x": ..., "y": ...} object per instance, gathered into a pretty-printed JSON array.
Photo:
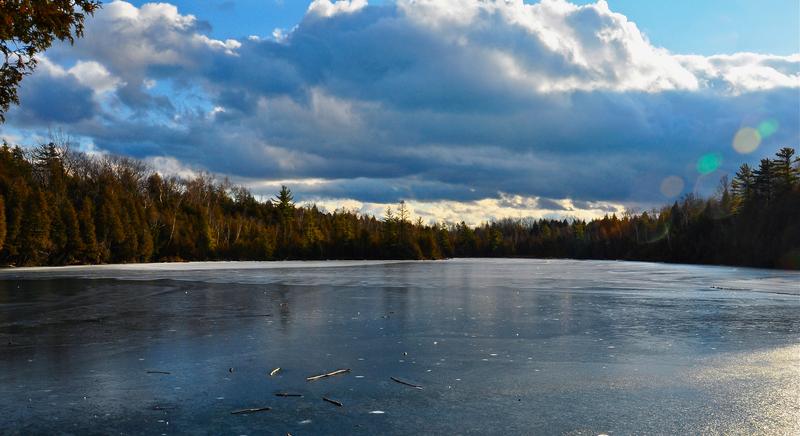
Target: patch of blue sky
[
  {"x": 710, "y": 27},
  {"x": 707, "y": 27}
]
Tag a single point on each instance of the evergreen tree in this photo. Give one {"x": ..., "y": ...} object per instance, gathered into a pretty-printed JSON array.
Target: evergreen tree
[
  {"x": 312, "y": 236},
  {"x": 109, "y": 227},
  {"x": 764, "y": 181},
  {"x": 403, "y": 216},
  {"x": 15, "y": 200},
  {"x": 73, "y": 244},
  {"x": 466, "y": 241},
  {"x": 35, "y": 244},
  {"x": 743, "y": 183},
  {"x": 58, "y": 236},
  {"x": 87, "y": 231},
  {"x": 285, "y": 211},
  {"x": 786, "y": 174},
  {"x": 389, "y": 237}
]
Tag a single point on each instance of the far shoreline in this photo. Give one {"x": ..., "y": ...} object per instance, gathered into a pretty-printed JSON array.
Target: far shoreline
[{"x": 329, "y": 263}]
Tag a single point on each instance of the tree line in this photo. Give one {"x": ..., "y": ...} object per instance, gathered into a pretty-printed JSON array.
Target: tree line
[
  {"x": 61, "y": 207},
  {"x": 753, "y": 220}
]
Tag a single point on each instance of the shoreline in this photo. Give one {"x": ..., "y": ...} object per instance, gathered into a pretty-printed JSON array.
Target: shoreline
[
  {"x": 332, "y": 263},
  {"x": 300, "y": 263}
]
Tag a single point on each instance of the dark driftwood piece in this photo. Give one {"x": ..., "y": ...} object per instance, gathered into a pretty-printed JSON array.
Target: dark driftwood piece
[
  {"x": 406, "y": 383},
  {"x": 332, "y": 401},
  {"x": 287, "y": 394},
  {"x": 158, "y": 372},
  {"x": 330, "y": 374},
  {"x": 253, "y": 410}
]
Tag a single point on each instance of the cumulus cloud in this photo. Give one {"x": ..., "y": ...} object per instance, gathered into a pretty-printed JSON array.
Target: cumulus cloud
[
  {"x": 94, "y": 75},
  {"x": 535, "y": 108},
  {"x": 744, "y": 72},
  {"x": 327, "y": 8},
  {"x": 475, "y": 212}
]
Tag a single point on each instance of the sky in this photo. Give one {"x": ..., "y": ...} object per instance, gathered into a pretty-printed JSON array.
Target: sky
[
  {"x": 465, "y": 109},
  {"x": 684, "y": 26}
]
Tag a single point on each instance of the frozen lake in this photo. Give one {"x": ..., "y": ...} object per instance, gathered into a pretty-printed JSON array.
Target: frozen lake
[{"x": 499, "y": 346}]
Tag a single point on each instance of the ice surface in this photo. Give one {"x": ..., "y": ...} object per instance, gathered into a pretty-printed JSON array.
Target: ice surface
[{"x": 500, "y": 346}]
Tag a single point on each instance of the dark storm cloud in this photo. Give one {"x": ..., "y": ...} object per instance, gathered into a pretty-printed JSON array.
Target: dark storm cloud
[{"x": 54, "y": 100}]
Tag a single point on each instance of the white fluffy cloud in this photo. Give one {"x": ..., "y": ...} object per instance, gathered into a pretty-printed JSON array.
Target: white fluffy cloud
[
  {"x": 94, "y": 75},
  {"x": 744, "y": 72},
  {"x": 327, "y": 8},
  {"x": 476, "y": 212},
  {"x": 444, "y": 102},
  {"x": 569, "y": 47}
]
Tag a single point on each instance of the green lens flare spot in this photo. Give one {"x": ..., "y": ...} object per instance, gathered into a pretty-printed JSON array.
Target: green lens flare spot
[
  {"x": 767, "y": 128},
  {"x": 709, "y": 163}
]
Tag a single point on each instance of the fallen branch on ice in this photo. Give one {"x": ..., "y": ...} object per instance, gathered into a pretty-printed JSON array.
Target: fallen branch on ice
[
  {"x": 406, "y": 383},
  {"x": 330, "y": 374},
  {"x": 332, "y": 401},
  {"x": 253, "y": 410}
]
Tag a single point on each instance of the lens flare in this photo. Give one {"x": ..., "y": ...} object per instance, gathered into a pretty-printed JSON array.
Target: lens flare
[
  {"x": 747, "y": 140},
  {"x": 767, "y": 128},
  {"x": 708, "y": 163},
  {"x": 672, "y": 186}
]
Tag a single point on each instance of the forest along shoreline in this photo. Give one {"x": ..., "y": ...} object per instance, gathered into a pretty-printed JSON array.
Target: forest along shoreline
[{"x": 62, "y": 207}]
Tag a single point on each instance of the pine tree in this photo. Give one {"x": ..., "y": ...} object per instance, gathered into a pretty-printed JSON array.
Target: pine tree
[
  {"x": 128, "y": 248},
  {"x": 444, "y": 240},
  {"x": 87, "y": 232},
  {"x": 109, "y": 227},
  {"x": 35, "y": 243},
  {"x": 764, "y": 181},
  {"x": 466, "y": 240},
  {"x": 742, "y": 184},
  {"x": 428, "y": 244},
  {"x": 786, "y": 174},
  {"x": 58, "y": 237},
  {"x": 74, "y": 245},
  {"x": 495, "y": 241},
  {"x": 311, "y": 234},
  {"x": 16, "y": 198},
  {"x": 389, "y": 237},
  {"x": 403, "y": 216},
  {"x": 285, "y": 210}
]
